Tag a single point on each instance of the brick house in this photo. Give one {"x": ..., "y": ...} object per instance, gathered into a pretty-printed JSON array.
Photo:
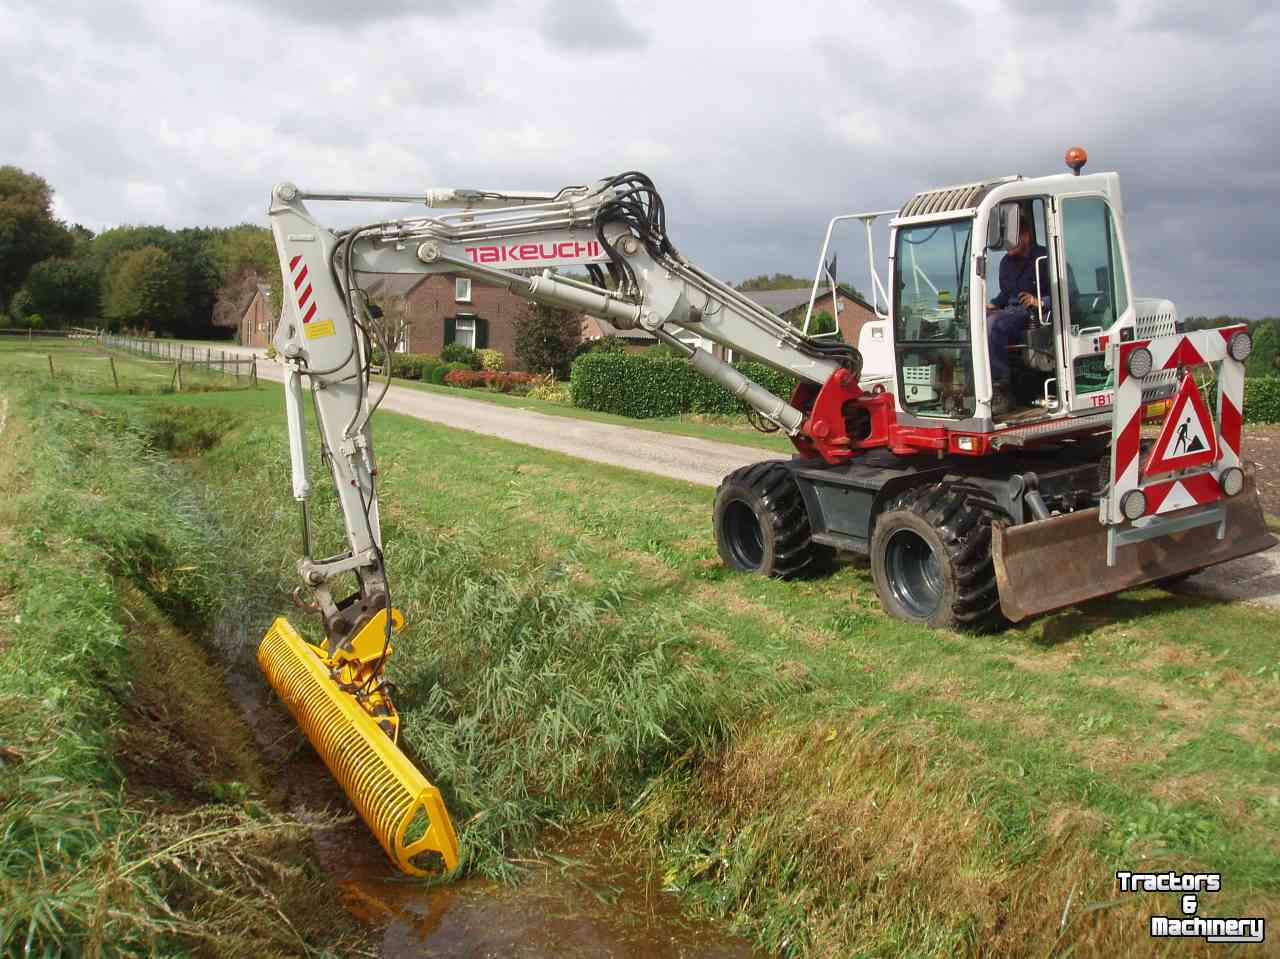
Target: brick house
[
  {"x": 257, "y": 321},
  {"x": 444, "y": 308},
  {"x": 851, "y": 310}
]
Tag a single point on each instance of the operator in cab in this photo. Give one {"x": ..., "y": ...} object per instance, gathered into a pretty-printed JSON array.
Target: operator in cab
[{"x": 1014, "y": 308}]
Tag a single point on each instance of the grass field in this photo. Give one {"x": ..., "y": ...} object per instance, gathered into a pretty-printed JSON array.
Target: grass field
[{"x": 833, "y": 781}]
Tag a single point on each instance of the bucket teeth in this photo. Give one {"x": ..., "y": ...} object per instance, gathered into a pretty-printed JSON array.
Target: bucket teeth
[{"x": 390, "y": 793}]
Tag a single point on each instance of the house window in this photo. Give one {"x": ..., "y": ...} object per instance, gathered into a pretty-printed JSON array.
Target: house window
[
  {"x": 462, "y": 290},
  {"x": 465, "y": 329},
  {"x": 691, "y": 339},
  {"x": 730, "y": 355}
]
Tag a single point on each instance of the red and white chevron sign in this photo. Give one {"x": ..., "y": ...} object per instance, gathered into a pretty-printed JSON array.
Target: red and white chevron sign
[
  {"x": 1185, "y": 466},
  {"x": 302, "y": 289}
]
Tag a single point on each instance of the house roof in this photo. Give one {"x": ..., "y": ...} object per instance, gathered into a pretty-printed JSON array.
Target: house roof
[
  {"x": 263, "y": 290},
  {"x": 781, "y": 302}
]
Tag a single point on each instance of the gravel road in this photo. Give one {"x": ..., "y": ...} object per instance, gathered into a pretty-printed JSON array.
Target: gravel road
[{"x": 1254, "y": 578}]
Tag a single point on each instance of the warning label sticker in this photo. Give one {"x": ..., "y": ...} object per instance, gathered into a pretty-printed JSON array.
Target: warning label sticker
[
  {"x": 1188, "y": 437},
  {"x": 318, "y": 329}
]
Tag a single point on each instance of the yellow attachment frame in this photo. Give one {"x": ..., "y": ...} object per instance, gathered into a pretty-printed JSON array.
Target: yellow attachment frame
[{"x": 388, "y": 791}]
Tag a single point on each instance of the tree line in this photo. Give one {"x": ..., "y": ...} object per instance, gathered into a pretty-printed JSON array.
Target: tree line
[{"x": 193, "y": 282}]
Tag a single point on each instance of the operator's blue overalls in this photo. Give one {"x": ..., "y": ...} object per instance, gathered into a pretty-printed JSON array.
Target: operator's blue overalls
[{"x": 1008, "y": 324}]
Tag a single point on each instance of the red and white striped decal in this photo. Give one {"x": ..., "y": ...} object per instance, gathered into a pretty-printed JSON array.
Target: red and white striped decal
[
  {"x": 1192, "y": 487},
  {"x": 302, "y": 289}
]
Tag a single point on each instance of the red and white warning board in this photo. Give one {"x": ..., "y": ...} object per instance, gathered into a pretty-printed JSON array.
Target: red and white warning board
[{"x": 1194, "y": 449}]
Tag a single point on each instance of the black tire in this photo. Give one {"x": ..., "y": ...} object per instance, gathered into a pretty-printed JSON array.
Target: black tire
[
  {"x": 931, "y": 559},
  {"x": 761, "y": 524}
]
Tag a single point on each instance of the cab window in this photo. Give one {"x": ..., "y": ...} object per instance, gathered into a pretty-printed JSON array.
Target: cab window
[
  {"x": 1096, "y": 288},
  {"x": 931, "y": 319}
]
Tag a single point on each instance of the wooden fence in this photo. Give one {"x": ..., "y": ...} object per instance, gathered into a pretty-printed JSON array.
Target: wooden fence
[{"x": 194, "y": 358}]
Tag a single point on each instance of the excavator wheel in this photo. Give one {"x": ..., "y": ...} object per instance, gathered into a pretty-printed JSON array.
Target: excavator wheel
[
  {"x": 931, "y": 559},
  {"x": 762, "y": 526}
]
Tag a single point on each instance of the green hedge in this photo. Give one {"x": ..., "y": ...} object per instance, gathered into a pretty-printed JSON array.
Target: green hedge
[
  {"x": 1262, "y": 399},
  {"x": 408, "y": 366},
  {"x": 643, "y": 386}
]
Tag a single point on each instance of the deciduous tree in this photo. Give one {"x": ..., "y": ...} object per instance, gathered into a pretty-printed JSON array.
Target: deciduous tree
[
  {"x": 64, "y": 289},
  {"x": 29, "y": 232},
  {"x": 145, "y": 288}
]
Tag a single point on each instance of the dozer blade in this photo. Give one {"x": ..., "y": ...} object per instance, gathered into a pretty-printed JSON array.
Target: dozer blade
[
  {"x": 1062, "y": 561},
  {"x": 387, "y": 790}
]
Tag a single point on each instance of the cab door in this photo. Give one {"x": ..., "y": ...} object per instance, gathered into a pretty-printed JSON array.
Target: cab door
[{"x": 1094, "y": 289}]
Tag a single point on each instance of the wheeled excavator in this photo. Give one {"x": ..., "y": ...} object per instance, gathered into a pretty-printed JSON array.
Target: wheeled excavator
[{"x": 972, "y": 511}]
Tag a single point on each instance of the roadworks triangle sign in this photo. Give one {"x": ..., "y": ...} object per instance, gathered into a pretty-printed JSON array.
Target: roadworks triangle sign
[{"x": 1188, "y": 437}]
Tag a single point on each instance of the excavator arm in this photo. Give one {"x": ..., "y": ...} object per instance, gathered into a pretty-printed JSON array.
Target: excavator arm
[{"x": 615, "y": 230}]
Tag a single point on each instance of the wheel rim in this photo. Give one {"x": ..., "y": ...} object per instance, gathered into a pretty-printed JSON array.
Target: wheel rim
[
  {"x": 743, "y": 535},
  {"x": 914, "y": 573}
]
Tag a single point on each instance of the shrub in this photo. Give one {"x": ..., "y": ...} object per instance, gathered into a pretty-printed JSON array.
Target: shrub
[
  {"x": 1262, "y": 399},
  {"x": 603, "y": 344},
  {"x": 547, "y": 339},
  {"x": 441, "y": 370},
  {"x": 457, "y": 353},
  {"x": 550, "y": 389},
  {"x": 410, "y": 366},
  {"x": 496, "y": 381},
  {"x": 492, "y": 360},
  {"x": 663, "y": 351},
  {"x": 642, "y": 385}
]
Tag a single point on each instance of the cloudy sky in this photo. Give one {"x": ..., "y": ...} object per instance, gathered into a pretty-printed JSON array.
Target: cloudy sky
[{"x": 758, "y": 121}]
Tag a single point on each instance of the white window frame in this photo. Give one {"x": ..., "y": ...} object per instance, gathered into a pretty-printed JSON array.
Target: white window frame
[
  {"x": 691, "y": 339},
  {"x": 465, "y": 336},
  {"x": 462, "y": 289}
]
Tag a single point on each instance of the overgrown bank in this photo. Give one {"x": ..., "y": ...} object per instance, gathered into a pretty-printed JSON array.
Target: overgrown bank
[
  {"x": 835, "y": 782},
  {"x": 134, "y": 818}
]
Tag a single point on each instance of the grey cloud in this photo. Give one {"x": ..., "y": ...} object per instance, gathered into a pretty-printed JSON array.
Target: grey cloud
[
  {"x": 598, "y": 26},
  {"x": 1206, "y": 18},
  {"x": 1062, "y": 12},
  {"x": 355, "y": 14}
]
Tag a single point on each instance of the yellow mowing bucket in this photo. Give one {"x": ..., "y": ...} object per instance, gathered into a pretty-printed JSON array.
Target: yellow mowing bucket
[{"x": 387, "y": 790}]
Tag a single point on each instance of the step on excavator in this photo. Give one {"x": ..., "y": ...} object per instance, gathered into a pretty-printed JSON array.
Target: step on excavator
[{"x": 989, "y": 463}]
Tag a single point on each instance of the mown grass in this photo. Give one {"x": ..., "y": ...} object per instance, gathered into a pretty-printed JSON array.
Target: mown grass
[
  {"x": 131, "y": 812},
  {"x": 835, "y": 781}
]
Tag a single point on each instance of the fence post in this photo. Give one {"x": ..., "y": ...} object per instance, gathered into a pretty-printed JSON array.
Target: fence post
[
  {"x": 50, "y": 366},
  {"x": 114, "y": 379},
  {"x": 253, "y": 372}
]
